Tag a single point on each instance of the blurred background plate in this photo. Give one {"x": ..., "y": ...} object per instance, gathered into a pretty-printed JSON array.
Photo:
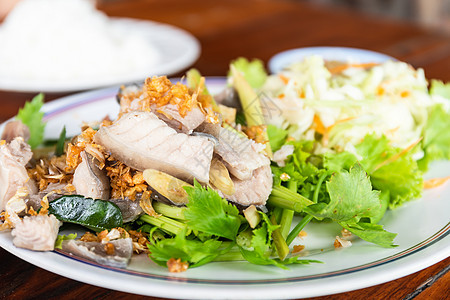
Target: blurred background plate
[
  {"x": 345, "y": 54},
  {"x": 177, "y": 48}
]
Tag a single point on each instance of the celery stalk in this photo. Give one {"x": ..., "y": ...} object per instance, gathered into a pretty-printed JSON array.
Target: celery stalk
[
  {"x": 285, "y": 198},
  {"x": 170, "y": 211},
  {"x": 288, "y": 214},
  {"x": 280, "y": 244},
  {"x": 250, "y": 104},
  {"x": 299, "y": 227},
  {"x": 165, "y": 224}
]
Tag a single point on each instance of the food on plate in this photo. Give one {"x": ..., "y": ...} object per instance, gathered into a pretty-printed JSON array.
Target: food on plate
[
  {"x": 68, "y": 40},
  {"x": 189, "y": 178}
]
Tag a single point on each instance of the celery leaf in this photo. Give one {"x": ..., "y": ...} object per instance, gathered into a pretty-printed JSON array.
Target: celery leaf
[
  {"x": 31, "y": 115},
  {"x": 209, "y": 213}
]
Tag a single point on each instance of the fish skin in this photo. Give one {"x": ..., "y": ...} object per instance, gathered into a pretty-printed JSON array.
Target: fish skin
[
  {"x": 89, "y": 180},
  {"x": 95, "y": 251},
  {"x": 142, "y": 141}
]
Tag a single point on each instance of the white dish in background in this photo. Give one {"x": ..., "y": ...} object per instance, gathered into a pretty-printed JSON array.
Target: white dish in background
[
  {"x": 177, "y": 50},
  {"x": 423, "y": 237},
  {"x": 285, "y": 58}
]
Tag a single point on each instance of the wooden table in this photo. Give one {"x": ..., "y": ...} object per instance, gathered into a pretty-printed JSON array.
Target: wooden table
[{"x": 260, "y": 29}]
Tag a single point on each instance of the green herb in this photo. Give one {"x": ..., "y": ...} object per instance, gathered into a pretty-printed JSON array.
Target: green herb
[
  {"x": 61, "y": 141},
  {"x": 209, "y": 213},
  {"x": 195, "y": 252},
  {"x": 61, "y": 238},
  {"x": 94, "y": 214},
  {"x": 351, "y": 197},
  {"x": 373, "y": 233},
  {"x": 31, "y": 115},
  {"x": 258, "y": 249}
]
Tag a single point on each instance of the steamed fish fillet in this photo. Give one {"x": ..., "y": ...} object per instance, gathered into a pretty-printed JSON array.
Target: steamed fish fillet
[
  {"x": 255, "y": 190},
  {"x": 142, "y": 141},
  {"x": 36, "y": 232},
  {"x": 239, "y": 154},
  {"x": 13, "y": 175}
]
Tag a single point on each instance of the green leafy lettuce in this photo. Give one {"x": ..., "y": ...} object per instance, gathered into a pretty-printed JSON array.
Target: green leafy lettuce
[
  {"x": 436, "y": 136},
  {"x": 277, "y": 137},
  {"x": 253, "y": 71},
  {"x": 437, "y": 87},
  {"x": 391, "y": 169}
]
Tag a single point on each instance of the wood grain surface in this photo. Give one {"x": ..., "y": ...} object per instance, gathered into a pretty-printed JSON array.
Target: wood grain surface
[{"x": 260, "y": 29}]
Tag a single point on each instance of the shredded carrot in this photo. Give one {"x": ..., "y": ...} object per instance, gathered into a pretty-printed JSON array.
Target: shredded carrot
[
  {"x": 284, "y": 78},
  {"x": 340, "y": 68},
  {"x": 380, "y": 91},
  {"x": 301, "y": 93},
  {"x": 398, "y": 155},
  {"x": 405, "y": 94},
  {"x": 435, "y": 182},
  {"x": 319, "y": 127}
]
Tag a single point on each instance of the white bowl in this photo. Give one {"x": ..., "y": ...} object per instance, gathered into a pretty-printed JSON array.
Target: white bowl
[{"x": 283, "y": 59}]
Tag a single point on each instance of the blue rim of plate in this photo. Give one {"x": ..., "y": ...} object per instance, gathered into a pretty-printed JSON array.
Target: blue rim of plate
[
  {"x": 104, "y": 94},
  {"x": 282, "y": 59}
]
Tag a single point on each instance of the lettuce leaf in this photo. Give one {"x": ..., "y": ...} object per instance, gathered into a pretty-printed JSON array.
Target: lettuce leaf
[
  {"x": 253, "y": 71},
  {"x": 436, "y": 136},
  {"x": 437, "y": 87},
  {"x": 31, "y": 115},
  {"x": 390, "y": 170},
  {"x": 277, "y": 137},
  {"x": 209, "y": 213}
]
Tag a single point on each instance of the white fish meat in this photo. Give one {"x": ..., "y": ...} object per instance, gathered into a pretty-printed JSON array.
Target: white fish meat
[
  {"x": 13, "y": 175},
  {"x": 255, "y": 190},
  {"x": 239, "y": 154},
  {"x": 142, "y": 141},
  {"x": 37, "y": 233}
]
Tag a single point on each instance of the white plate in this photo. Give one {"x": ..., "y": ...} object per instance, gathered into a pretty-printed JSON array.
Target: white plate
[
  {"x": 423, "y": 237},
  {"x": 177, "y": 48},
  {"x": 283, "y": 59}
]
